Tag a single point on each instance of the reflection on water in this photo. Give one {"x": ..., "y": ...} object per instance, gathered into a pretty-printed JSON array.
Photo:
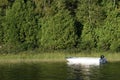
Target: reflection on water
[
  {"x": 82, "y": 72},
  {"x": 58, "y": 71},
  {"x": 109, "y": 71}
]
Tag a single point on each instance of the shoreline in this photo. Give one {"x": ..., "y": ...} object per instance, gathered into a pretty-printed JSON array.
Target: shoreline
[{"x": 52, "y": 57}]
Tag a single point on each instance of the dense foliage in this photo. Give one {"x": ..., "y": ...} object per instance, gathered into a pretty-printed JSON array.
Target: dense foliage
[{"x": 59, "y": 24}]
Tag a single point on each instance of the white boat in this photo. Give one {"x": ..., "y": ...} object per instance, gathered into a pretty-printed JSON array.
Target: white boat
[{"x": 83, "y": 60}]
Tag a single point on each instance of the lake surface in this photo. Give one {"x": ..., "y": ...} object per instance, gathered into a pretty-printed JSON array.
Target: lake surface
[{"x": 58, "y": 71}]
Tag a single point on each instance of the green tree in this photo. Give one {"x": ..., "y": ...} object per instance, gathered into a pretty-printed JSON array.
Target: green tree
[
  {"x": 3, "y": 5},
  {"x": 58, "y": 31},
  {"x": 110, "y": 38},
  {"x": 1, "y": 28},
  {"x": 20, "y": 27},
  {"x": 29, "y": 26},
  {"x": 60, "y": 24},
  {"x": 10, "y": 26},
  {"x": 90, "y": 14}
]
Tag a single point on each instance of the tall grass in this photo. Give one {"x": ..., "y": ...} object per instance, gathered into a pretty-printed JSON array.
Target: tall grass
[{"x": 53, "y": 57}]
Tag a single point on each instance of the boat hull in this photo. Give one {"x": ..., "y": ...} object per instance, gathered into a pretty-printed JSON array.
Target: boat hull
[{"x": 83, "y": 60}]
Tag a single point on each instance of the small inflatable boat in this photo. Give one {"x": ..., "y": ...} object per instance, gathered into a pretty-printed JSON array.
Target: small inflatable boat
[{"x": 83, "y": 60}]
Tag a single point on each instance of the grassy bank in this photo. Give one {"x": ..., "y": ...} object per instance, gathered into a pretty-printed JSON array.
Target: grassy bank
[{"x": 53, "y": 57}]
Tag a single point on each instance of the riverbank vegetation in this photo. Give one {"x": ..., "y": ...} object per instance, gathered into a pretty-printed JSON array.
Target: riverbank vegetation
[
  {"x": 85, "y": 25},
  {"x": 52, "y": 57}
]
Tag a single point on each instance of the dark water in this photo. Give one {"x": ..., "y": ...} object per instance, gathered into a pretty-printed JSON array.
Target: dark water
[{"x": 58, "y": 71}]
